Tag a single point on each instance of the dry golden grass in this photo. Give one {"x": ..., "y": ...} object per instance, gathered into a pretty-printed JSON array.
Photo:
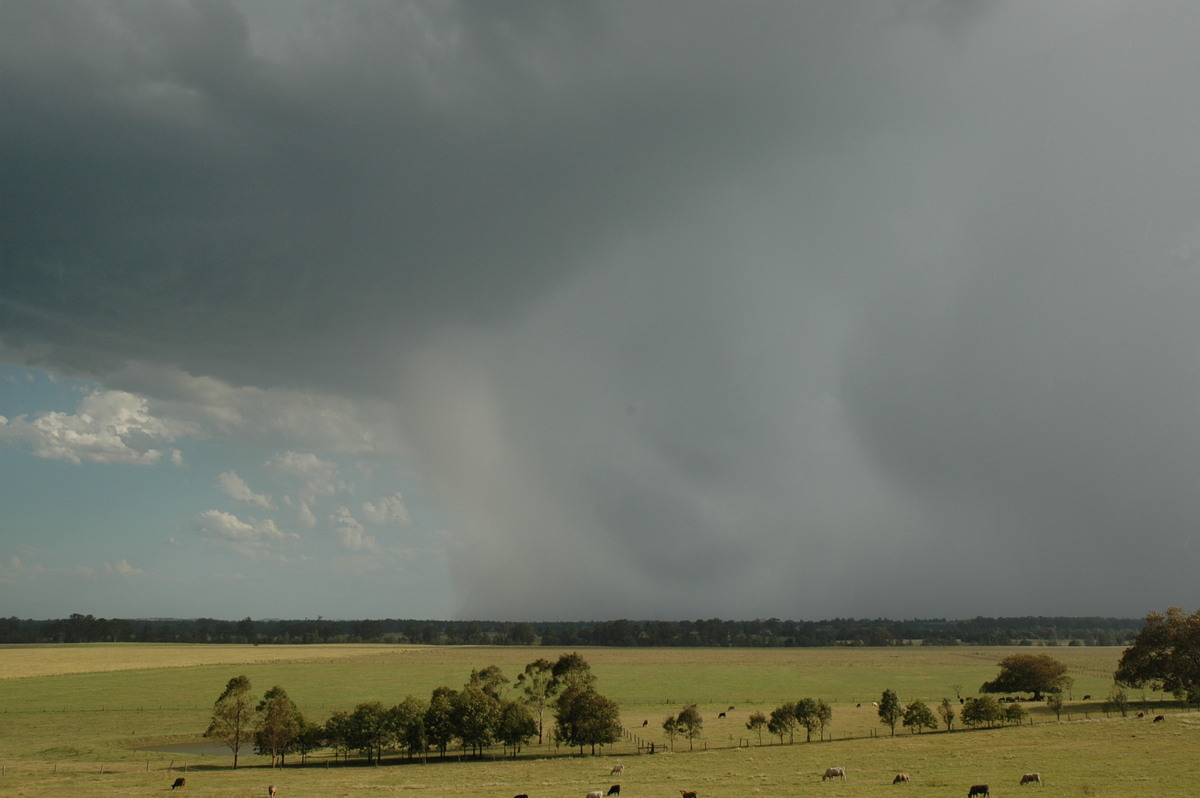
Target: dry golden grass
[{"x": 18, "y": 661}]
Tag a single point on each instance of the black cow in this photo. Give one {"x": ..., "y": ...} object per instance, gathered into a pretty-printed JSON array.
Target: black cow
[
  {"x": 614, "y": 790},
  {"x": 978, "y": 789},
  {"x": 179, "y": 782}
]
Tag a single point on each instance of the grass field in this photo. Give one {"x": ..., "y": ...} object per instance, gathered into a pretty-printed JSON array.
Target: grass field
[{"x": 72, "y": 719}]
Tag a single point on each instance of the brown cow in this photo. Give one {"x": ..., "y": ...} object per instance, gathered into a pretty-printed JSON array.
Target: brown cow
[
  {"x": 271, "y": 790},
  {"x": 179, "y": 782},
  {"x": 688, "y": 793},
  {"x": 1159, "y": 718},
  {"x": 901, "y": 778},
  {"x": 979, "y": 789},
  {"x": 1031, "y": 778}
]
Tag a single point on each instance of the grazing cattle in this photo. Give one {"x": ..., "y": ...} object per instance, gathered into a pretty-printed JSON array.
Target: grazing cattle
[
  {"x": 179, "y": 782},
  {"x": 614, "y": 790},
  {"x": 732, "y": 707},
  {"x": 901, "y": 778},
  {"x": 834, "y": 773},
  {"x": 1031, "y": 778},
  {"x": 645, "y": 723},
  {"x": 978, "y": 789},
  {"x": 720, "y": 714},
  {"x": 595, "y": 794},
  {"x": 1159, "y": 718},
  {"x": 522, "y": 795},
  {"x": 1087, "y": 697},
  {"x": 271, "y": 790},
  {"x": 617, "y": 770},
  {"x": 688, "y": 793}
]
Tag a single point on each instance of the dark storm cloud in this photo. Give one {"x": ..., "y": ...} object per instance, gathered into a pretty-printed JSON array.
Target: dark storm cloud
[{"x": 689, "y": 308}]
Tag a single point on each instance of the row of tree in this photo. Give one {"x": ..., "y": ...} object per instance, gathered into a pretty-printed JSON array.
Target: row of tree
[
  {"x": 481, "y": 714},
  {"x": 1165, "y": 656},
  {"x": 713, "y": 632}
]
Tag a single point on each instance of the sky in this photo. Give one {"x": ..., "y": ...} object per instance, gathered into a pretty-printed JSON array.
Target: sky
[{"x": 534, "y": 310}]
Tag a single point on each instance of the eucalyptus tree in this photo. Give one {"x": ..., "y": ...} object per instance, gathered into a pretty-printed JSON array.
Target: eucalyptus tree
[
  {"x": 232, "y": 716},
  {"x": 278, "y": 724}
]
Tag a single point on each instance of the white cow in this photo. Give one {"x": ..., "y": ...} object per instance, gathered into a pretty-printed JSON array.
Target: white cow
[{"x": 833, "y": 773}]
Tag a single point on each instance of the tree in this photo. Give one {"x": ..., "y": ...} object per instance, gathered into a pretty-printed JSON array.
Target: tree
[
  {"x": 919, "y": 716},
  {"x": 337, "y": 733},
  {"x": 824, "y": 715},
  {"x": 516, "y": 725},
  {"x": 369, "y": 730},
  {"x": 1055, "y": 702},
  {"x": 232, "y": 715},
  {"x": 1165, "y": 655},
  {"x": 1118, "y": 701},
  {"x": 491, "y": 680},
  {"x": 585, "y": 717},
  {"x": 670, "y": 726},
  {"x": 889, "y": 709},
  {"x": 278, "y": 724},
  {"x": 476, "y": 714},
  {"x": 536, "y": 683},
  {"x": 309, "y": 737},
  {"x": 808, "y": 715},
  {"x": 571, "y": 671},
  {"x": 984, "y": 709},
  {"x": 756, "y": 724},
  {"x": 946, "y": 710},
  {"x": 783, "y": 721},
  {"x": 1036, "y": 673},
  {"x": 1015, "y": 713},
  {"x": 690, "y": 723},
  {"x": 439, "y": 719},
  {"x": 407, "y": 720}
]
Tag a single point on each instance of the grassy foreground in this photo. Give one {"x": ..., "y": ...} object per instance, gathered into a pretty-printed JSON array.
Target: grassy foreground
[{"x": 73, "y": 718}]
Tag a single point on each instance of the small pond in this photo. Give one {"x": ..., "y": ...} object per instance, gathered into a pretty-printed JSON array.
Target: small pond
[{"x": 203, "y": 747}]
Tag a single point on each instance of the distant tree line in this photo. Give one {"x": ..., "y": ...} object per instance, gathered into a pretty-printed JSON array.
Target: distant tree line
[{"x": 768, "y": 633}]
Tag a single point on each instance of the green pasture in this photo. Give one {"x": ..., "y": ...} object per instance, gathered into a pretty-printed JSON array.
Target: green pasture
[{"x": 79, "y": 733}]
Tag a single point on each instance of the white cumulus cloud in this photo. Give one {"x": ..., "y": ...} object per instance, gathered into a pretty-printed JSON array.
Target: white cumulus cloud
[
  {"x": 389, "y": 511},
  {"x": 107, "y": 427},
  {"x": 220, "y": 524},
  {"x": 236, "y": 488},
  {"x": 351, "y": 532}
]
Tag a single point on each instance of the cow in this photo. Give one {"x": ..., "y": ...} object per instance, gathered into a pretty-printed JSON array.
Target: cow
[
  {"x": 617, "y": 770},
  {"x": 978, "y": 789},
  {"x": 1031, "y": 778},
  {"x": 595, "y": 794},
  {"x": 179, "y": 782},
  {"x": 688, "y": 793},
  {"x": 1087, "y": 697},
  {"x": 835, "y": 772},
  {"x": 272, "y": 790},
  {"x": 901, "y": 778},
  {"x": 720, "y": 715},
  {"x": 614, "y": 790},
  {"x": 1159, "y": 718},
  {"x": 645, "y": 723},
  {"x": 522, "y": 795}
]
